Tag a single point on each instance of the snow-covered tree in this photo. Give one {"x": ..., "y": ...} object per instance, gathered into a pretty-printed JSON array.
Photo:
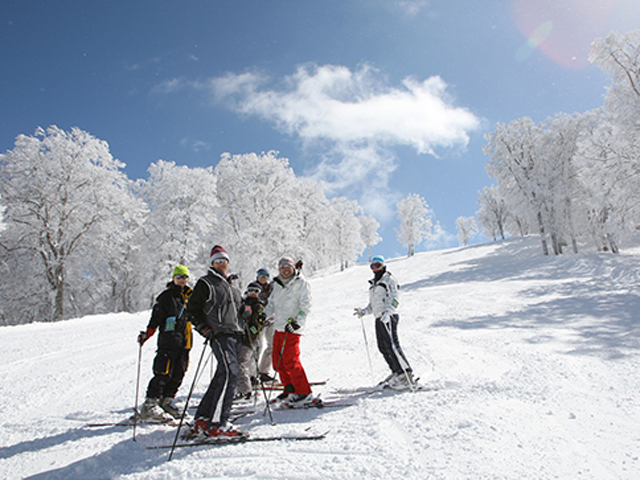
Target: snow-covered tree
[
  {"x": 416, "y": 223},
  {"x": 466, "y": 227},
  {"x": 182, "y": 221},
  {"x": 619, "y": 57},
  {"x": 534, "y": 167},
  {"x": 610, "y": 153},
  {"x": 260, "y": 217},
  {"x": 369, "y": 232},
  {"x": 62, "y": 191},
  {"x": 314, "y": 230},
  {"x": 346, "y": 241},
  {"x": 493, "y": 213}
]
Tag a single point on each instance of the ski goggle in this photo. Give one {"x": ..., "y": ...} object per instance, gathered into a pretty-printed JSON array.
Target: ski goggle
[
  {"x": 376, "y": 265},
  {"x": 253, "y": 291},
  {"x": 181, "y": 277},
  {"x": 263, "y": 275},
  {"x": 221, "y": 260}
]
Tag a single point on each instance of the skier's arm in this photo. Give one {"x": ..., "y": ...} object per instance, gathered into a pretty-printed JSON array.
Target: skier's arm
[
  {"x": 195, "y": 306},
  {"x": 393, "y": 295},
  {"x": 304, "y": 304}
]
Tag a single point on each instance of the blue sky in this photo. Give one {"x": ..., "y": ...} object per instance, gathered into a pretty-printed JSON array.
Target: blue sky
[{"x": 378, "y": 98}]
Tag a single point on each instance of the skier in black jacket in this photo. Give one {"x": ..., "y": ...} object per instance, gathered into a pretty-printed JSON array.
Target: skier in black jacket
[
  {"x": 214, "y": 310},
  {"x": 174, "y": 343}
]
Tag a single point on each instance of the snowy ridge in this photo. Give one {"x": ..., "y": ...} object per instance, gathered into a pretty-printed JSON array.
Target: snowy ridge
[{"x": 535, "y": 360}]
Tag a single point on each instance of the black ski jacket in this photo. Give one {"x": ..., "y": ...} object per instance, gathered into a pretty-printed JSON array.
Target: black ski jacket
[
  {"x": 169, "y": 318},
  {"x": 215, "y": 304}
]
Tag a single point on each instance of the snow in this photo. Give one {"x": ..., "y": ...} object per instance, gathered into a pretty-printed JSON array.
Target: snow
[{"x": 533, "y": 361}]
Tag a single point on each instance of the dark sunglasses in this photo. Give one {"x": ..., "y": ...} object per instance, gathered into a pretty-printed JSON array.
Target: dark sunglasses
[{"x": 182, "y": 277}]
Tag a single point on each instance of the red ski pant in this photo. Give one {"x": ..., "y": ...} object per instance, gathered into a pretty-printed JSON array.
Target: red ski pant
[{"x": 288, "y": 363}]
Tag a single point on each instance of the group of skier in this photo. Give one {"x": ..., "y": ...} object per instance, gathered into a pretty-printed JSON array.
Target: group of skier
[{"x": 271, "y": 317}]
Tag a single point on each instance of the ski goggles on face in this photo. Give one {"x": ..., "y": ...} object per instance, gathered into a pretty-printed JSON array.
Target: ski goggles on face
[
  {"x": 221, "y": 260},
  {"x": 263, "y": 275},
  {"x": 181, "y": 277},
  {"x": 376, "y": 265},
  {"x": 253, "y": 291}
]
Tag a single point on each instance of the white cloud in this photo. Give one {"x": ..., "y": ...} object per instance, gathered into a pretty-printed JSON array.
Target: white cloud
[
  {"x": 170, "y": 86},
  {"x": 335, "y": 104},
  {"x": 195, "y": 145},
  {"x": 350, "y": 120},
  {"x": 412, "y": 7}
]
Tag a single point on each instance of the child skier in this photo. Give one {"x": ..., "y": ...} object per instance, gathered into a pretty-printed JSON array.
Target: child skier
[{"x": 252, "y": 313}]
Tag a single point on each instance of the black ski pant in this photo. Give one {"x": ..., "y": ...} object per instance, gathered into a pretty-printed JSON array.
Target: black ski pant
[
  {"x": 216, "y": 403},
  {"x": 389, "y": 345},
  {"x": 169, "y": 368}
]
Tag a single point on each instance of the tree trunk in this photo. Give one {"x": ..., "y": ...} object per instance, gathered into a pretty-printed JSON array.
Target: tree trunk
[
  {"x": 545, "y": 248},
  {"x": 58, "y": 307},
  {"x": 612, "y": 243}
]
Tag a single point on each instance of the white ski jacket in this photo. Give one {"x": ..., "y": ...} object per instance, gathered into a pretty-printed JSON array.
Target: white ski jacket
[
  {"x": 384, "y": 296},
  {"x": 290, "y": 299}
]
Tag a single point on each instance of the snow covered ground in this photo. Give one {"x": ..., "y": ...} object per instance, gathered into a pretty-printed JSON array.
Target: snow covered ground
[{"x": 535, "y": 361}]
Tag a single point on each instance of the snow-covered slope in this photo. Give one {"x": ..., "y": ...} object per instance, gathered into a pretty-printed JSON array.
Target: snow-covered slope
[{"x": 534, "y": 359}]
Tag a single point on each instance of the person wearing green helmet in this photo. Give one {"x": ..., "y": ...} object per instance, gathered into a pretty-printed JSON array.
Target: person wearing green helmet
[{"x": 174, "y": 343}]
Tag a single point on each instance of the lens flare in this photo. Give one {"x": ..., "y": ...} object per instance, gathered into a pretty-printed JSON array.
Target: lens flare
[
  {"x": 562, "y": 29},
  {"x": 538, "y": 36}
]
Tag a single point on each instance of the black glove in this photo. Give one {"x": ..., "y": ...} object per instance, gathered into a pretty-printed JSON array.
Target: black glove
[
  {"x": 205, "y": 331},
  {"x": 292, "y": 326},
  {"x": 299, "y": 264},
  {"x": 246, "y": 312}
]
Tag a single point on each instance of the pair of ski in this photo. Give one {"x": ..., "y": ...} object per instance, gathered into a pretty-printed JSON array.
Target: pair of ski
[
  {"x": 130, "y": 422},
  {"x": 416, "y": 387},
  {"x": 279, "y": 386},
  {"x": 241, "y": 439}
]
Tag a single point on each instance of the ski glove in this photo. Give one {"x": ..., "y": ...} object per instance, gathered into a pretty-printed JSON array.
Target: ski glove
[
  {"x": 386, "y": 319},
  {"x": 145, "y": 335},
  {"x": 292, "y": 326},
  {"x": 359, "y": 312},
  {"x": 205, "y": 331},
  {"x": 246, "y": 312}
]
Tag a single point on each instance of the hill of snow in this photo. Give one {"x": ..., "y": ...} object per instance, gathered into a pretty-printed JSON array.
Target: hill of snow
[{"x": 533, "y": 361}]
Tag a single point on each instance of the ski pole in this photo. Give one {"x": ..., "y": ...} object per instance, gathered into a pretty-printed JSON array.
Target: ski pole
[
  {"x": 273, "y": 382},
  {"x": 135, "y": 408},
  {"x": 364, "y": 334},
  {"x": 186, "y": 405},
  {"x": 264, "y": 391}
]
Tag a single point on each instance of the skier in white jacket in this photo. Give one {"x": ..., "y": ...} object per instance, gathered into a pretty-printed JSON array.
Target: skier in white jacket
[
  {"x": 289, "y": 305},
  {"x": 383, "y": 303}
]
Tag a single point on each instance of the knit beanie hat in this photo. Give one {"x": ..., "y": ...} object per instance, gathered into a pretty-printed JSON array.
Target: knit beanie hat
[
  {"x": 218, "y": 252},
  {"x": 181, "y": 270}
]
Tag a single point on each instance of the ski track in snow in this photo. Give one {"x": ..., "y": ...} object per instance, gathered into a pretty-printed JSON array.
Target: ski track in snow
[{"x": 533, "y": 360}]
